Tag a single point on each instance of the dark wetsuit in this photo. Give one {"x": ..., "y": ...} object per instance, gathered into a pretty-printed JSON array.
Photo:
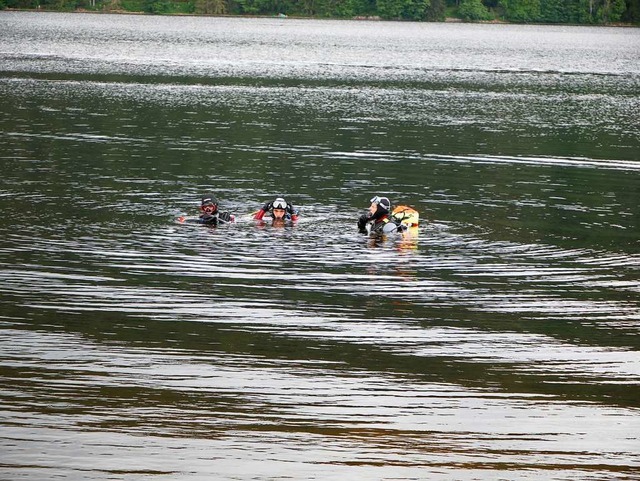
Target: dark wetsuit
[
  {"x": 209, "y": 219},
  {"x": 215, "y": 219},
  {"x": 380, "y": 222}
]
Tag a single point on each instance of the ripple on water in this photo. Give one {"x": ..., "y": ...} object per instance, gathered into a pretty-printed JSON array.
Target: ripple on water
[{"x": 479, "y": 345}]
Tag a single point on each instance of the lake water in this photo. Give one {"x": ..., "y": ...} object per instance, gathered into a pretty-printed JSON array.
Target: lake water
[{"x": 498, "y": 342}]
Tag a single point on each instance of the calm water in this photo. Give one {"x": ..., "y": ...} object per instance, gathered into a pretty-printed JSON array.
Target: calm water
[{"x": 499, "y": 342}]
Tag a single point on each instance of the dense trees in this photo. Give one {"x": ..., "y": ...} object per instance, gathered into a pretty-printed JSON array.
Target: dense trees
[
  {"x": 564, "y": 11},
  {"x": 524, "y": 11},
  {"x": 551, "y": 11}
]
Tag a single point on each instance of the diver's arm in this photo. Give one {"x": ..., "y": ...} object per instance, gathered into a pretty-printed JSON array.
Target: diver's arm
[{"x": 263, "y": 210}]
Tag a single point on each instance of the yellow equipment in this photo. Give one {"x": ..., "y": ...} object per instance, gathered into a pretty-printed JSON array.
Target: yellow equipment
[{"x": 406, "y": 215}]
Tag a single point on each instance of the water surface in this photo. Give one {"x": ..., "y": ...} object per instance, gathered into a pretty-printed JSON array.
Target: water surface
[{"x": 499, "y": 341}]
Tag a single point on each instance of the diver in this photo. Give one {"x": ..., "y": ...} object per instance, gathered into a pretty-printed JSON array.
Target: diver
[
  {"x": 281, "y": 212},
  {"x": 210, "y": 213},
  {"x": 379, "y": 220}
]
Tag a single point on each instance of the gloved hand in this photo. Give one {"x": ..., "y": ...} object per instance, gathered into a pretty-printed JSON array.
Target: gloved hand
[
  {"x": 267, "y": 206},
  {"x": 224, "y": 216},
  {"x": 362, "y": 221}
]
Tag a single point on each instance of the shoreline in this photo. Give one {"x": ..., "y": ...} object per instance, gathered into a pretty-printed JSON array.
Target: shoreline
[{"x": 298, "y": 17}]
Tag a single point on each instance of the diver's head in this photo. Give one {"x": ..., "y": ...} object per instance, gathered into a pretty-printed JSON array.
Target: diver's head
[
  {"x": 379, "y": 206},
  {"x": 279, "y": 208},
  {"x": 209, "y": 204}
]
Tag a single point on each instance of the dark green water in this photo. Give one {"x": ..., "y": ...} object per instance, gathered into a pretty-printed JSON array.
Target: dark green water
[{"x": 499, "y": 342}]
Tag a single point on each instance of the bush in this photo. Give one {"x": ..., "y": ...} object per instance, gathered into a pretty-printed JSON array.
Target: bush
[{"x": 473, "y": 10}]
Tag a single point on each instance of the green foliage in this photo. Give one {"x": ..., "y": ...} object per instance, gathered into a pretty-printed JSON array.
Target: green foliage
[
  {"x": 403, "y": 9},
  {"x": 342, "y": 8},
  {"x": 131, "y": 5},
  {"x": 152, "y": 6},
  {"x": 611, "y": 11},
  {"x": 632, "y": 12},
  {"x": 186, "y": 7},
  {"x": 553, "y": 11},
  {"x": 266, "y": 7},
  {"x": 583, "y": 11},
  {"x": 167, "y": 6},
  {"x": 210, "y": 7},
  {"x": 58, "y": 5},
  {"x": 112, "y": 5},
  {"x": 521, "y": 11},
  {"x": 473, "y": 10},
  {"x": 436, "y": 10}
]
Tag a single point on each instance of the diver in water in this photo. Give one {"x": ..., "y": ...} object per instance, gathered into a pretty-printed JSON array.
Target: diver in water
[
  {"x": 378, "y": 220},
  {"x": 210, "y": 213},
  {"x": 281, "y": 212}
]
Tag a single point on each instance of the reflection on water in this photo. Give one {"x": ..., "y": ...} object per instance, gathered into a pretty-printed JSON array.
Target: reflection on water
[{"x": 498, "y": 340}]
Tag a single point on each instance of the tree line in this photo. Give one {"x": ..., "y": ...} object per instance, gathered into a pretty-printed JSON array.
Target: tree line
[{"x": 590, "y": 12}]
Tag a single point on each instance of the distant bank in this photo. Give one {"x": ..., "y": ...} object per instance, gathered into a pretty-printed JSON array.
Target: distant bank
[{"x": 561, "y": 12}]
